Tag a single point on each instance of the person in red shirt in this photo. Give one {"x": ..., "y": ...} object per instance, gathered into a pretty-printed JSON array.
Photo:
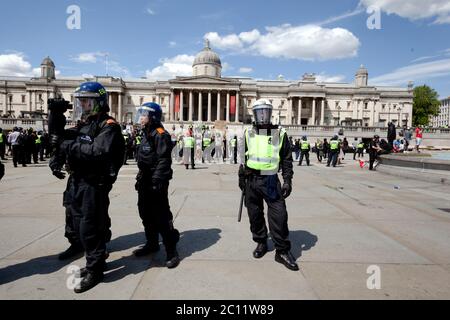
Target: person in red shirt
[{"x": 419, "y": 133}]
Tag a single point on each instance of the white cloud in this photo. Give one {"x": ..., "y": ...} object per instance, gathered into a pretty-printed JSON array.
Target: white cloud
[
  {"x": 226, "y": 67},
  {"x": 414, "y": 72},
  {"x": 150, "y": 12},
  {"x": 180, "y": 65},
  {"x": 16, "y": 65},
  {"x": 88, "y": 57},
  {"x": 323, "y": 77},
  {"x": 307, "y": 42},
  {"x": 172, "y": 44},
  {"x": 414, "y": 9},
  {"x": 245, "y": 70}
]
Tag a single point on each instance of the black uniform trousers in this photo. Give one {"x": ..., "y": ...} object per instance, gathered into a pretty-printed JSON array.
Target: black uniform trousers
[
  {"x": 87, "y": 219},
  {"x": 268, "y": 189},
  {"x": 18, "y": 155},
  {"x": 304, "y": 154},
  {"x": 2, "y": 150},
  {"x": 154, "y": 210},
  {"x": 332, "y": 158},
  {"x": 372, "y": 157}
]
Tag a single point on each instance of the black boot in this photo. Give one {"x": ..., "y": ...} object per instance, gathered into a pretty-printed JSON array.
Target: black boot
[
  {"x": 173, "y": 259},
  {"x": 83, "y": 271},
  {"x": 260, "y": 250},
  {"x": 73, "y": 251},
  {"x": 286, "y": 258},
  {"x": 147, "y": 249},
  {"x": 89, "y": 281}
]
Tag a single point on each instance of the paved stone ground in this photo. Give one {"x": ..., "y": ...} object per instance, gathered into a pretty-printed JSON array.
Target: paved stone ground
[{"x": 342, "y": 221}]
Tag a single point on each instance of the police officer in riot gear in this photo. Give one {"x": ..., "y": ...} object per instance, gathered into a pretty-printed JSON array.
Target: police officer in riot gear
[
  {"x": 155, "y": 172},
  {"x": 267, "y": 148},
  {"x": 94, "y": 152},
  {"x": 305, "y": 148}
]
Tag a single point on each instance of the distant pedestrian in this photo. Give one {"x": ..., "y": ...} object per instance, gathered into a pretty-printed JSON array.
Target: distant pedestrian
[{"x": 419, "y": 136}]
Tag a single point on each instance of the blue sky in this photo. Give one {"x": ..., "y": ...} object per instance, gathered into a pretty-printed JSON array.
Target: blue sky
[{"x": 260, "y": 39}]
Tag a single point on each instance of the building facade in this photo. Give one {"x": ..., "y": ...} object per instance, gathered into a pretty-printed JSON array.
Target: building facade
[
  {"x": 207, "y": 97},
  {"x": 442, "y": 120}
]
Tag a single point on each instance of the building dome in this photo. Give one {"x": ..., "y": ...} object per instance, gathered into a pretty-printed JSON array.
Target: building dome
[
  {"x": 207, "y": 56},
  {"x": 48, "y": 62},
  {"x": 207, "y": 63}
]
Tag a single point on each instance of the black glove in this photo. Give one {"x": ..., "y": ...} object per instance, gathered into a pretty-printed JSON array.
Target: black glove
[
  {"x": 157, "y": 185},
  {"x": 59, "y": 174},
  {"x": 138, "y": 180},
  {"x": 242, "y": 183},
  {"x": 286, "y": 189}
]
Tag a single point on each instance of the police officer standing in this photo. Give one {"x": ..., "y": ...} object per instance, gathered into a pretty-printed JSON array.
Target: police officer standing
[
  {"x": 234, "y": 148},
  {"x": 155, "y": 172},
  {"x": 189, "y": 149},
  {"x": 94, "y": 152},
  {"x": 334, "y": 151},
  {"x": 305, "y": 148},
  {"x": 267, "y": 148}
]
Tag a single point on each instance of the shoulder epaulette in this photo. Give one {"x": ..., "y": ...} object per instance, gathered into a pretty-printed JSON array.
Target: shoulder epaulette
[{"x": 160, "y": 130}]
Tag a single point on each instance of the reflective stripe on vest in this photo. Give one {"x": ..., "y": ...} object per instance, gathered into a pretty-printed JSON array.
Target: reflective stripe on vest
[
  {"x": 138, "y": 140},
  {"x": 38, "y": 140},
  {"x": 361, "y": 145},
  {"x": 305, "y": 145},
  {"x": 189, "y": 142},
  {"x": 233, "y": 143},
  {"x": 1, "y": 137},
  {"x": 264, "y": 153},
  {"x": 334, "y": 144}
]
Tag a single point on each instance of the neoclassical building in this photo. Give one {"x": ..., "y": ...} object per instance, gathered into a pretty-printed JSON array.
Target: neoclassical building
[{"x": 207, "y": 97}]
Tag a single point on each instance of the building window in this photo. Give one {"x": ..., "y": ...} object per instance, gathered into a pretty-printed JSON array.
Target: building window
[
  {"x": 141, "y": 101},
  {"x": 162, "y": 100},
  {"x": 366, "y": 105},
  {"x": 129, "y": 100},
  {"x": 154, "y": 99},
  {"x": 23, "y": 98},
  {"x": 40, "y": 97},
  {"x": 71, "y": 98},
  {"x": 383, "y": 106}
]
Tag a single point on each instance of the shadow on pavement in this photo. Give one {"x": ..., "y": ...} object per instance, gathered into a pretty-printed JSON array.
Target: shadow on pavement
[
  {"x": 190, "y": 242},
  {"x": 301, "y": 241},
  {"x": 41, "y": 265}
]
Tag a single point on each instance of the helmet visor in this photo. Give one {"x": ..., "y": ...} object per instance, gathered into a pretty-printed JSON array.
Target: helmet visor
[
  {"x": 84, "y": 107},
  {"x": 142, "y": 116},
  {"x": 263, "y": 116}
]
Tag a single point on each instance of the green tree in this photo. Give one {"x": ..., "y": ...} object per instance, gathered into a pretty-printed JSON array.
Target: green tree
[{"x": 426, "y": 104}]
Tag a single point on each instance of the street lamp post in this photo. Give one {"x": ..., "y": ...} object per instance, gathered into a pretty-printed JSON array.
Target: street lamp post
[
  {"x": 279, "y": 115},
  {"x": 339, "y": 115}
]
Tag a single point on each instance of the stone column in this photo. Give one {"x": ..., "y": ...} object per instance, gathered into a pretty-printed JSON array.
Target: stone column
[
  {"x": 355, "y": 109},
  {"x": 5, "y": 102},
  {"x": 218, "y": 106},
  {"x": 290, "y": 111},
  {"x": 322, "y": 113},
  {"x": 314, "y": 112},
  {"x": 190, "y": 105},
  {"x": 110, "y": 101},
  {"x": 228, "y": 107},
  {"x": 200, "y": 107},
  {"x": 34, "y": 101},
  {"x": 372, "y": 108},
  {"x": 30, "y": 101},
  {"x": 171, "y": 106},
  {"x": 299, "y": 113},
  {"x": 45, "y": 105},
  {"x": 120, "y": 111},
  {"x": 209, "y": 106},
  {"x": 236, "y": 117},
  {"x": 181, "y": 106}
]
